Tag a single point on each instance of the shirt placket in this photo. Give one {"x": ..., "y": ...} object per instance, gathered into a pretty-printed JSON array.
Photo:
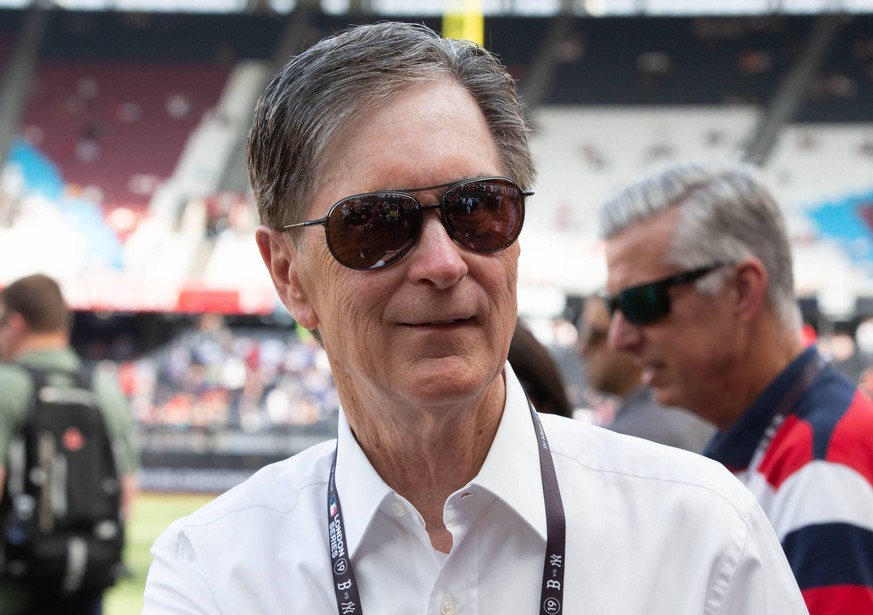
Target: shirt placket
[{"x": 455, "y": 591}]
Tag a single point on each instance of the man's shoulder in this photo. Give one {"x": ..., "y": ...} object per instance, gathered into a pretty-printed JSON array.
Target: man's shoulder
[
  {"x": 834, "y": 415},
  {"x": 15, "y": 385},
  {"x": 642, "y": 416},
  {"x": 50, "y": 359},
  {"x": 639, "y": 465},
  {"x": 282, "y": 492},
  {"x": 11, "y": 372}
]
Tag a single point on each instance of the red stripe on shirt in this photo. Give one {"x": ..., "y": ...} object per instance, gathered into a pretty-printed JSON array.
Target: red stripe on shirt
[
  {"x": 849, "y": 449},
  {"x": 839, "y": 600},
  {"x": 790, "y": 450}
]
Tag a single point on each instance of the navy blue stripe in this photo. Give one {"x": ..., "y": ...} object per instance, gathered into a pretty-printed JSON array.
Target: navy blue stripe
[
  {"x": 824, "y": 407},
  {"x": 831, "y": 554}
]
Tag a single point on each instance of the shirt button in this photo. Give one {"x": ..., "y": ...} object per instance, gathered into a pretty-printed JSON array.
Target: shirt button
[
  {"x": 398, "y": 509},
  {"x": 448, "y": 607}
]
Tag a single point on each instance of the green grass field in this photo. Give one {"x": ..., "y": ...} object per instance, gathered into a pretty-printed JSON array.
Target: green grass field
[{"x": 151, "y": 514}]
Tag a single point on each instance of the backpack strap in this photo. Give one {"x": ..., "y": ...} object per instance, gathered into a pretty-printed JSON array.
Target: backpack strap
[{"x": 83, "y": 384}]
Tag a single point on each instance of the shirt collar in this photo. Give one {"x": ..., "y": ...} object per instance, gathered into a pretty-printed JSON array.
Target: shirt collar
[
  {"x": 57, "y": 358},
  {"x": 510, "y": 471},
  {"x": 735, "y": 447},
  {"x": 360, "y": 488},
  {"x": 638, "y": 395}
]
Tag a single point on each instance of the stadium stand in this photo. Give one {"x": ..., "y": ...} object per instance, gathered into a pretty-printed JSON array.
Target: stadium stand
[
  {"x": 676, "y": 61},
  {"x": 128, "y": 160},
  {"x": 843, "y": 92},
  {"x": 114, "y": 130}
]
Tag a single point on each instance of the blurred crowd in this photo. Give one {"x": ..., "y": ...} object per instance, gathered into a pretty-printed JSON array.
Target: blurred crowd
[{"x": 215, "y": 377}]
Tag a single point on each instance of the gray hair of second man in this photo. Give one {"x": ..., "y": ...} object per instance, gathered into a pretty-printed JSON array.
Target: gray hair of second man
[
  {"x": 726, "y": 214},
  {"x": 306, "y": 106}
]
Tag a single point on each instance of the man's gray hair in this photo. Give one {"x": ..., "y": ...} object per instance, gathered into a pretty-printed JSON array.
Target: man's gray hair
[
  {"x": 726, "y": 213},
  {"x": 319, "y": 92}
]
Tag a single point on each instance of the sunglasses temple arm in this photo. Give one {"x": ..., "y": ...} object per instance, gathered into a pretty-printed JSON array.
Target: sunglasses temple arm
[{"x": 319, "y": 222}]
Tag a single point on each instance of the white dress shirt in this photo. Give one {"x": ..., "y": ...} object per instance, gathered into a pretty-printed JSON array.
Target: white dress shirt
[{"x": 651, "y": 530}]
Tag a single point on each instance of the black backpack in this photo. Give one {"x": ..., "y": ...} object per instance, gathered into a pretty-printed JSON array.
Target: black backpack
[{"x": 61, "y": 525}]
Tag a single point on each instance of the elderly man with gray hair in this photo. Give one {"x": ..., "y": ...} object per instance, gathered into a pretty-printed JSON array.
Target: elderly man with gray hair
[
  {"x": 391, "y": 168},
  {"x": 701, "y": 289}
]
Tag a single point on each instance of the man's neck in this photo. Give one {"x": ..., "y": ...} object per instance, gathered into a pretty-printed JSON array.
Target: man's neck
[
  {"x": 426, "y": 455},
  {"x": 773, "y": 350},
  {"x": 35, "y": 342}
]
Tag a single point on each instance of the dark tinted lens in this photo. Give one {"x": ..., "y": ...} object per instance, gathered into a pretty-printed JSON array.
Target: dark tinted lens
[
  {"x": 365, "y": 232},
  {"x": 485, "y": 216},
  {"x": 644, "y": 304}
]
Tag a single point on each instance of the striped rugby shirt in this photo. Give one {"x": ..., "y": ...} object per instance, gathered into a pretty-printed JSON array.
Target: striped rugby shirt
[{"x": 814, "y": 481}]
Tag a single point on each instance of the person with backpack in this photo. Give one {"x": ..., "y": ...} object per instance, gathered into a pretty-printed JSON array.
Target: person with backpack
[{"x": 68, "y": 460}]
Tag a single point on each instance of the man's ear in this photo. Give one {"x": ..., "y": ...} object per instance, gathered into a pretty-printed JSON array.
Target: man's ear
[
  {"x": 750, "y": 287},
  {"x": 282, "y": 261},
  {"x": 17, "y": 332},
  {"x": 16, "y": 322}
]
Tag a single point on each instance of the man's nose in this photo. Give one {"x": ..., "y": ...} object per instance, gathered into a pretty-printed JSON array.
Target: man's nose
[
  {"x": 623, "y": 334},
  {"x": 437, "y": 257}
]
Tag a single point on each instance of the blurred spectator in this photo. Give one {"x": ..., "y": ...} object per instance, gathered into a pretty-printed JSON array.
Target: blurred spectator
[
  {"x": 617, "y": 373},
  {"x": 35, "y": 335},
  {"x": 536, "y": 370}
]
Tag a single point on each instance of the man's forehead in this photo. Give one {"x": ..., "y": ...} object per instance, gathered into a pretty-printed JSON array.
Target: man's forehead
[{"x": 640, "y": 252}]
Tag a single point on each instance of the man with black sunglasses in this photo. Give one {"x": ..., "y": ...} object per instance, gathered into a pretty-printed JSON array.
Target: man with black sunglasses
[
  {"x": 444, "y": 491},
  {"x": 702, "y": 294}
]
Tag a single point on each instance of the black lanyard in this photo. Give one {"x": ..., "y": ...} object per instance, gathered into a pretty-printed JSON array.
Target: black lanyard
[{"x": 348, "y": 600}]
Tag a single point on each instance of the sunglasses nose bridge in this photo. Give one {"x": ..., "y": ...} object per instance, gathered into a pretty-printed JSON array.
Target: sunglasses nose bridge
[
  {"x": 441, "y": 214},
  {"x": 425, "y": 208},
  {"x": 439, "y": 210},
  {"x": 435, "y": 254}
]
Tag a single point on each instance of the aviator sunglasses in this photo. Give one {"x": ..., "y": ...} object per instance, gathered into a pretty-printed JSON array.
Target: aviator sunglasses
[
  {"x": 646, "y": 303},
  {"x": 375, "y": 229}
]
